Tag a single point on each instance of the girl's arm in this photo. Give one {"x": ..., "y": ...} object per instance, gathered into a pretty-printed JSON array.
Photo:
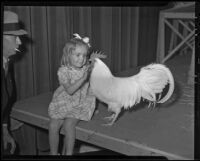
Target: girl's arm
[{"x": 71, "y": 88}]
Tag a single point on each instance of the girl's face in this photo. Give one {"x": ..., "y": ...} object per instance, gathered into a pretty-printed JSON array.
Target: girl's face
[{"x": 78, "y": 56}]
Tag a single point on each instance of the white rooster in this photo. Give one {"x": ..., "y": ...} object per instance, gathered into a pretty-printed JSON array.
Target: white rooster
[{"x": 126, "y": 92}]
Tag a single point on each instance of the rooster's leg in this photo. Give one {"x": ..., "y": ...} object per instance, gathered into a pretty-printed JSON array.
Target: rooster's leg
[{"x": 114, "y": 116}]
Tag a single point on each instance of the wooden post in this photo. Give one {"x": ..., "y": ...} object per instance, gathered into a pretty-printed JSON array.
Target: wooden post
[
  {"x": 191, "y": 70},
  {"x": 173, "y": 39},
  {"x": 161, "y": 38},
  {"x": 185, "y": 33}
]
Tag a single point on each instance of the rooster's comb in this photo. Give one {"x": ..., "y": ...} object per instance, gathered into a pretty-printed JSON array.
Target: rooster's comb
[{"x": 97, "y": 55}]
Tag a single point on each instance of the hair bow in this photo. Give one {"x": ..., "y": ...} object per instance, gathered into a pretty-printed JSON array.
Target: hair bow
[{"x": 85, "y": 39}]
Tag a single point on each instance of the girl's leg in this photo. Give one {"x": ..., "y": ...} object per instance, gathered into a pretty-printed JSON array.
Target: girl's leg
[
  {"x": 54, "y": 128},
  {"x": 70, "y": 134}
]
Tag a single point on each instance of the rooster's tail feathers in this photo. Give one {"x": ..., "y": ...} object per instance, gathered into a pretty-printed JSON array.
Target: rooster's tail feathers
[{"x": 152, "y": 79}]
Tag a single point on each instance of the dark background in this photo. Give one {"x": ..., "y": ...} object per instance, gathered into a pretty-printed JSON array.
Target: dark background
[{"x": 127, "y": 34}]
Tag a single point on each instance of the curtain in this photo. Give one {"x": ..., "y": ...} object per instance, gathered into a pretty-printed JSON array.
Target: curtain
[{"x": 126, "y": 35}]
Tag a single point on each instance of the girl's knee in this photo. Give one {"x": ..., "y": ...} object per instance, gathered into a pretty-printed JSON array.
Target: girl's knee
[
  {"x": 55, "y": 124},
  {"x": 70, "y": 123}
]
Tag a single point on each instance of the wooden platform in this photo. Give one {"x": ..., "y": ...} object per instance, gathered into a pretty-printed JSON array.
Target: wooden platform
[{"x": 165, "y": 131}]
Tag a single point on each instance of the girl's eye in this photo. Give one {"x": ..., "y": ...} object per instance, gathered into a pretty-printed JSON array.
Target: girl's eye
[{"x": 77, "y": 54}]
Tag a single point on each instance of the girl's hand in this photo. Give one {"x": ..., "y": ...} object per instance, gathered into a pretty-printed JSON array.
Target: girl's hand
[
  {"x": 86, "y": 73},
  {"x": 90, "y": 67}
]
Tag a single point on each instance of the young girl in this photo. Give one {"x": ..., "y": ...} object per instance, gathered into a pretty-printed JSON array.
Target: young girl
[{"x": 72, "y": 101}]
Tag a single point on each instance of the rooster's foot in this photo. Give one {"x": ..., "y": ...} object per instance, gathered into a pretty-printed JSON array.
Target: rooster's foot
[
  {"x": 108, "y": 124},
  {"x": 109, "y": 117}
]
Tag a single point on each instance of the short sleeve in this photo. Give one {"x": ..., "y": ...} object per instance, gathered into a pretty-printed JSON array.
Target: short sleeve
[{"x": 63, "y": 75}]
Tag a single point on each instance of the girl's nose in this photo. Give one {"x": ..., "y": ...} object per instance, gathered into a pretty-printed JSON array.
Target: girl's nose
[
  {"x": 81, "y": 57},
  {"x": 18, "y": 41}
]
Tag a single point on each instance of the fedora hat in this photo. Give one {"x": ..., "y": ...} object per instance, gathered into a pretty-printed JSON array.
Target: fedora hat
[{"x": 11, "y": 24}]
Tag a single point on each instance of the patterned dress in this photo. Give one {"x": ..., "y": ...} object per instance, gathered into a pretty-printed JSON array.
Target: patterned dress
[{"x": 80, "y": 105}]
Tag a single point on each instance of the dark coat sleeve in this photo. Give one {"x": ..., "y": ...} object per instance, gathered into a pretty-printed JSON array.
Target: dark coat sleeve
[
  {"x": 4, "y": 98},
  {"x": 8, "y": 93}
]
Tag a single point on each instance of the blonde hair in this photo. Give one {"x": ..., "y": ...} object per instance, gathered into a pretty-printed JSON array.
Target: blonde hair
[{"x": 69, "y": 47}]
